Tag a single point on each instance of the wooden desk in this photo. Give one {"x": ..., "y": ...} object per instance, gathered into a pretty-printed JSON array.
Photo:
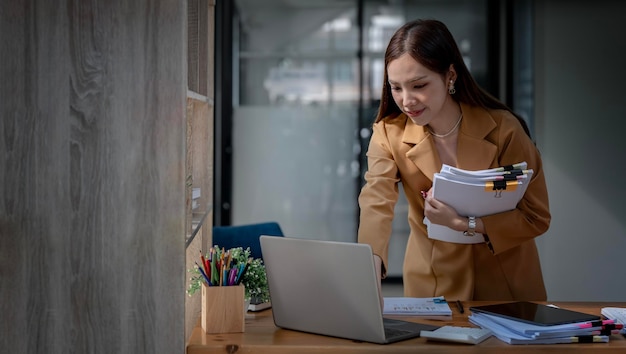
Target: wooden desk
[{"x": 262, "y": 336}]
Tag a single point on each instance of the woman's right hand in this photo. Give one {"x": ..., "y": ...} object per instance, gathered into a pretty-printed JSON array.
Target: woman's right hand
[{"x": 443, "y": 214}]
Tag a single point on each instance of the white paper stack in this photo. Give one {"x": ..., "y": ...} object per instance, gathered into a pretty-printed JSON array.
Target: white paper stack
[
  {"x": 477, "y": 193},
  {"x": 517, "y": 332},
  {"x": 615, "y": 313}
]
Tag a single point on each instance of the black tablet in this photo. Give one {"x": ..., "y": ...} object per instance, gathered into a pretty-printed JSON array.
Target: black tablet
[{"x": 537, "y": 314}]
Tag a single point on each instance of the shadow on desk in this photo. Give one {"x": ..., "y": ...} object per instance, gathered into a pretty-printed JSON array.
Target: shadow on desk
[{"x": 262, "y": 336}]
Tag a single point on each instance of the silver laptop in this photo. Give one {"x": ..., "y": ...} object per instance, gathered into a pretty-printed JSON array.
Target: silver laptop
[{"x": 329, "y": 288}]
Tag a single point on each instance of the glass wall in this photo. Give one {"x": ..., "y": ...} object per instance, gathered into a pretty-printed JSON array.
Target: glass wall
[
  {"x": 308, "y": 75},
  {"x": 295, "y": 152}
]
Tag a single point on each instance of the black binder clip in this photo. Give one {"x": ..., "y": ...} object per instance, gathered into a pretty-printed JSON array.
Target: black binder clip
[
  {"x": 498, "y": 187},
  {"x": 508, "y": 167}
]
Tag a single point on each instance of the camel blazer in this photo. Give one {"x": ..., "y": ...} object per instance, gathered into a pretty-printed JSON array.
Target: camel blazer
[{"x": 402, "y": 152}]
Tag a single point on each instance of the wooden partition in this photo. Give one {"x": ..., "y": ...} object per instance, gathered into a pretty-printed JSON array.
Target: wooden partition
[
  {"x": 199, "y": 141},
  {"x": 93, "y": 176}
]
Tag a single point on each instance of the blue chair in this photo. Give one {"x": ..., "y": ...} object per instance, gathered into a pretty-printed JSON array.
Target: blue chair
[{"x": 245, "y": 236}]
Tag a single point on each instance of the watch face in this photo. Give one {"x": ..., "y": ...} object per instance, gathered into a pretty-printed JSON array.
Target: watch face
[{"x": 471, "y": 225}]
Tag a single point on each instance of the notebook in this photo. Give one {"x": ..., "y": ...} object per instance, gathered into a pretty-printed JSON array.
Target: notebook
[{"x": 329, "y": 288}]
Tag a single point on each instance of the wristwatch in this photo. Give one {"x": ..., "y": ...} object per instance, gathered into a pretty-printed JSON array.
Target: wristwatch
[{"x": 471, "y": 226}]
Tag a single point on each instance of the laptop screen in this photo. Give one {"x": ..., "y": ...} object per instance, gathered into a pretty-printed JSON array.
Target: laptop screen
[{"x": 323, "y": 287}]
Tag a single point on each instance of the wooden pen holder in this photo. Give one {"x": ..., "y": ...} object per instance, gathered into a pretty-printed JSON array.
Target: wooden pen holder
[{"x": 223, "y": 309}]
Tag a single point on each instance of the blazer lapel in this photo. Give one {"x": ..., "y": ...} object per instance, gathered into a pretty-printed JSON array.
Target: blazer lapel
[
  {"x": 473, "y": 151},
  {"x": 421, "y": 149}
]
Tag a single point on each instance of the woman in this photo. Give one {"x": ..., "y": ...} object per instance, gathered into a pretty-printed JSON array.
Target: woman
[{"x": 433, "y": 112}]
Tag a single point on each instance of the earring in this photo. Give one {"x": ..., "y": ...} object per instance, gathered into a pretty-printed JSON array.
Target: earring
[{"x": 451, "y": 89}]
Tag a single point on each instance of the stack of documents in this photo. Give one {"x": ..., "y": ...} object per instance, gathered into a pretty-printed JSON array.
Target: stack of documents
[
  {"x": 477, "y": 193},
  {"x": 618, "y": 314},
  {"x": 425, "y": 307},
  {"x": 518, "y": 332}
]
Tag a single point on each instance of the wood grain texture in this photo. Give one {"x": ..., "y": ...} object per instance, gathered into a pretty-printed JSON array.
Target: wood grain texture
[
  {"x": 223, "y": 309},
  {"x": 92, "y": 176},
  {"x": 200, "y": 151},
  {"x": 192, "y": 303}
]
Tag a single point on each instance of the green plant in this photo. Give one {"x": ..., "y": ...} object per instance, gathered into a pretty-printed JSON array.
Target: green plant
[{"x": 254, "y": 279}]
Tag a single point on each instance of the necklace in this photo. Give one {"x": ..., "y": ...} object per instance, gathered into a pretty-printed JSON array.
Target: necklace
[{"x": 448, "y": 133}]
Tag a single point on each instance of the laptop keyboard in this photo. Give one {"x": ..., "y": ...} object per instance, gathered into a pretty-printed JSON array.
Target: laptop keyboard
[{"x": 394, "y": 332}]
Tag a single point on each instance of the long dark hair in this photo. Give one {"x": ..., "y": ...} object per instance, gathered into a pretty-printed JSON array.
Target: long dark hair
[{"x": 431, "y": 44}]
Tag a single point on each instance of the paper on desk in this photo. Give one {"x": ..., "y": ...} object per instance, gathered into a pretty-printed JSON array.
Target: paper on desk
[
  {"x": 516, "y": 332},
  {"x": 417, "y": 306},
  {"x": 615, "y": 313}
]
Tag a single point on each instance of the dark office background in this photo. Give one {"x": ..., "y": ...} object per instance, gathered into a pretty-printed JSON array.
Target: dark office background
[{"x": 92, "y": 149}]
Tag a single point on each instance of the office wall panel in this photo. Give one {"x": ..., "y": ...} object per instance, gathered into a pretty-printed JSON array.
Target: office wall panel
[
  {"x": 92, "y": 176},
  {"x": 580, "y": 114}
]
